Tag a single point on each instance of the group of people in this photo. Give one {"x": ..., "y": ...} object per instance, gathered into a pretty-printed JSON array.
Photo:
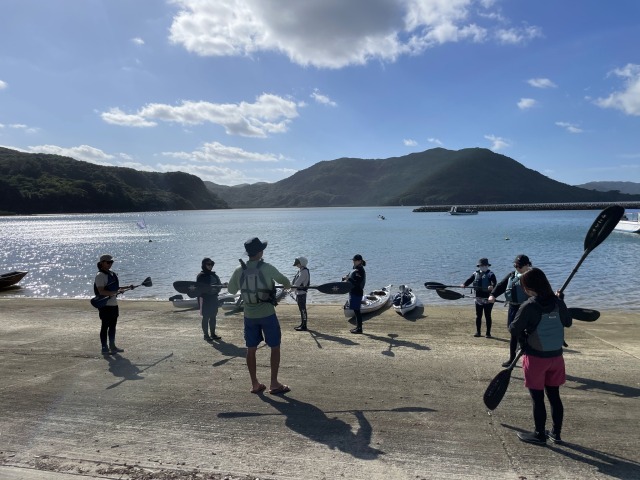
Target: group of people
[
  {"x": 536, "y": 321},
  {"x": 255, "y": 280}
]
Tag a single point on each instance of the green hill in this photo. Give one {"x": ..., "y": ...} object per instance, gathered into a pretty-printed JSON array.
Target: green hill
[
  {"x": 38, "y": 183},
  {"x": 472, "y": 176},
  {"x": 630, "y": 188}
]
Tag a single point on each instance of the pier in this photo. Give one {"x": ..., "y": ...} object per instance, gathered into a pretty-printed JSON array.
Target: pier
[{"x": 506, "y": 207}]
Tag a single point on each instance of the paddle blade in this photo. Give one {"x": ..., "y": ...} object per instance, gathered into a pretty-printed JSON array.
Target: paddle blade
[
  {"x": 602, "y": 226},
  {"x": 334, "y": 288},
  {"x": 584, "y": 314},
  {"x": 449, "y": 294},
  {"x": 494, "y": 393},
  {"x": 434, "y": 285},
  {"x": 147, "y": 282}
]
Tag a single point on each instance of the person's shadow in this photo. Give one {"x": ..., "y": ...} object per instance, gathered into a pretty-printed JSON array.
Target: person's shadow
[
  {"x": 393, "y": 342},
  {"x": 608, "y": 464},
  {"x": 608, "y": 388},
  {"x": 230, "y": 351},
  {"x": 122, "y": 367},
  {"x": 317, "y": 336}
]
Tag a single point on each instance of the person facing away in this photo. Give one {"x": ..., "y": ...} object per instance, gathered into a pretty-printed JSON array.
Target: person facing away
[
  {"x": 483, "y": 281},
  {"x": 107, "y": 284},
  {"x": 209, "y": 301},
  {"x": 301, "y": 281},
  {"x": 514, "y": 295},
  {"x": 256, "y": 281},
  {"x": 357, "y": 278},
  {"x": 539, "y": 326}
]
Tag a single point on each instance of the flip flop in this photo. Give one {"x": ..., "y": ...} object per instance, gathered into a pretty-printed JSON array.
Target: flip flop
[
  {"x": 260, "y": 389},
  {"x": 281, "y": 389}
]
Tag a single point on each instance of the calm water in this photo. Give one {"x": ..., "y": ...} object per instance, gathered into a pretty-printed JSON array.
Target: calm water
[{"x": 60, "y": 251}]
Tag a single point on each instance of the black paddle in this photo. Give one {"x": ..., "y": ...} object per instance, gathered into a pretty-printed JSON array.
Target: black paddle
[
  {"x": 451, "y": 295},
  {"x": 195, "y": 289},
  {"x": 437, "y": 285},
  {"x": 599, "y": 231},
  {"x": 100, "y": 301}
]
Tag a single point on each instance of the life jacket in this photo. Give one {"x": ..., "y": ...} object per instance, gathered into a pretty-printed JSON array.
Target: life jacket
[
  {"x": 253, "y": 286},
  {"x": 113, "y": 284},
  {"x": 514, "y": 293},
  {"x": 481, "y": 281},
  {"x": 550, "y": 331}
]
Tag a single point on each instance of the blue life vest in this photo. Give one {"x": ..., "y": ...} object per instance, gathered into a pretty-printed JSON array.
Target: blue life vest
[
  {"x": 514, "y": 292},
  {"x": 550, "y": 331},
  {"x": 482, "y": 280}
]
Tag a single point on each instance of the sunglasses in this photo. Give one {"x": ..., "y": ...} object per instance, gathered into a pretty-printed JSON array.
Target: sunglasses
[
  {"x": 108, "y": 261},
  {"x": 210, "y": 263}
]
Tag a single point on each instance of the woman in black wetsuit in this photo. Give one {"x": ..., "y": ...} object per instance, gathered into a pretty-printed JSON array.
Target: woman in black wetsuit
[{"x": 357, "y": 278}]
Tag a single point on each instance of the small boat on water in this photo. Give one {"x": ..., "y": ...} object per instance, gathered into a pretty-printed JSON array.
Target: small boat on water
[
  {"x": 371, "y": 302},
  {"x": 404, "y": 301},
  {"x": 463, "y": 211},
  {"x": 11, "y": 278},
  {"x": 629, "y": 223}
]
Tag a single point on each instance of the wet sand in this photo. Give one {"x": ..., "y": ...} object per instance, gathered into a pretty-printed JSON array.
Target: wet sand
[{"x": 402, "y": 401}]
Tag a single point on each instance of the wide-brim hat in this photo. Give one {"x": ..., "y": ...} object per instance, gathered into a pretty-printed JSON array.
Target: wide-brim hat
[
  {"x": 253, "y": 246},
  {"x": 521, "y": 261},
  {"x": 483, "y": 262}
]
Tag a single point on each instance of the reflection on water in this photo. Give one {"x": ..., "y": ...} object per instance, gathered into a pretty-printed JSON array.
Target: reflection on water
[{"x": 61, "y": 251}]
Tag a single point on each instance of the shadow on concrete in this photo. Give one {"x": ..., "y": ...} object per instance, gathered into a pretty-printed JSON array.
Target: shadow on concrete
[
  {"x": 317, "y": 336},
  {"x": 311, "y": 422},
  {"x": 608, "y": 464},
  {"x": 230, "y": 351},
  {"x": 120, "y": 366},
  {"x": 392, "y": 343},
  {"x": 604, "y": 387}
]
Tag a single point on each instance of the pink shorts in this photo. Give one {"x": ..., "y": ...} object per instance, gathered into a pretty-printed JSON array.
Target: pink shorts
[{"x": 543, "y": 372}]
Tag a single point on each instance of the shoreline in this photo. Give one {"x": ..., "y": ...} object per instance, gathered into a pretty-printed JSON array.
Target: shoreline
[{"x": 402, "y": 401}]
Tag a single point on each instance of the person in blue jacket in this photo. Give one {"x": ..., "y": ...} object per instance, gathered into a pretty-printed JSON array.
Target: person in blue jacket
[
  {"x": 539, "y": 327},
  {"x": 483, "y": 281}
]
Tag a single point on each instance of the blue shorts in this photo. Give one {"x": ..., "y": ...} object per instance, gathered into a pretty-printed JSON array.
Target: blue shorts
[{"x": 258, "y": 329}]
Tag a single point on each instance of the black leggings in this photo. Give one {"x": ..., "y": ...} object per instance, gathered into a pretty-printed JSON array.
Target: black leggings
[
  {"x": 301, "y": 300},
  {"x": 540, "y": 412},
  {"x": 486, "y": 309},
  {"x": 109, "y": 317}
]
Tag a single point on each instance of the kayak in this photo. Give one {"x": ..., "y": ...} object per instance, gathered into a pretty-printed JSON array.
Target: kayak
[
  {"x": 404, "y": 301},
  {"x": 225, "y": 301},
  {"x": 371, "y": 302}
]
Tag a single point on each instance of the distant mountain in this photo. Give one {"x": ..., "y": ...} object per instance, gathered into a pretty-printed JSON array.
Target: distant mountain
[
  {"x": 472, "y": 176},
  {"x": 630, "y": 188},
  {"x": 38, "y": 183}
]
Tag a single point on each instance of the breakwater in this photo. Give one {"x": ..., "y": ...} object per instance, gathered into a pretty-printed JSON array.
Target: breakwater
[{"x": 507, "y": 207}]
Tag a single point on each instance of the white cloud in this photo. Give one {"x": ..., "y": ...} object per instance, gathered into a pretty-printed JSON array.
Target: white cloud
[
  {"x": 628, "y": 99},
  {"x": 332, "y": 33},
  {"x": 215, "y": 152},
  {"x": 434, "y": 140},
  {"x": 541, "y": 83},
  {"x": 83, "y": 152},
  {"x": 138, "y": 41},
  {"x": 569, "y": 127},
  {"x": 525, "y": 103},
  {"x": 409, "y": 142},
  {"x": 3, "y": 85},
  {"x": 497, "y": 143},
  {"x": 268, "y": 114},
  {"x": 323, "y": 99}
]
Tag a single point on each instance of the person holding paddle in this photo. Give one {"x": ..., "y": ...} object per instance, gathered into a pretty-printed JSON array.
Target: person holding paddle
[
  {"x": 483, "y": 281},
  {"x": 208, "y": 301},
  {"x": 256, "y": 281},
  {"x": 107, "y": 284},
  {"x": 301, "y": 280},
  {"x": 515, "y": 295},
  {"x": 357, "y": 278},
  {"x": 539, "y": 326}
]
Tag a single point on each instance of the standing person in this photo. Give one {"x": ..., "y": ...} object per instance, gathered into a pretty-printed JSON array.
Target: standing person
[
  {"x": 107, "y": 284},
  {"x": 209, "y": 301},
  {"x": 483, "y": 281},
  {"x": 301, "y": 280},
  {"x": 514, "y": 295},
  {"x": 256, "y": 281},
  {"x": 357, "y": 278},
  {"x": 539, "y": 325}
]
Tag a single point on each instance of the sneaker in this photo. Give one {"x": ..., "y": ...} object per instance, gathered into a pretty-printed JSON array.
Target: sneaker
[
  {"x": 488, "y": 335},
  {"x": 300, "y": 328},
  {"x": 105, "y": 350},
  {"x": 533, "y": 437},
  {"x": 115, "y": 349},
  {"x": 356, "y": 330},
  {"x": 508, "y": 363},
  {"x": 553, "y": 436},
  {"x": 207, "y": 338},
  {"x": 478, "y": 334},
  {"x": 215, "y": 337}
]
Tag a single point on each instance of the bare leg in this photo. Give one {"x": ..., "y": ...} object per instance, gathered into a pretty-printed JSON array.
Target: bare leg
[
  {"x": 275, "y": 366},
  {"x": 251, "y": 365}
]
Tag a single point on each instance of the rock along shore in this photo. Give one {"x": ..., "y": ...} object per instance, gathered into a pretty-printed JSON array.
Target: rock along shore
[{"x": 402, "y": 401}]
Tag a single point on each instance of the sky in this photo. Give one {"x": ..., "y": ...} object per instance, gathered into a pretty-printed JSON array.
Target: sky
[{"x": 245, "y": 91}]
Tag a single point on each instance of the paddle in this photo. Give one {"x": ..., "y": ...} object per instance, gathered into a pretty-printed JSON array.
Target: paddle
[
  {"x": 195, "y": 289},
  {"x": 451, "y": 295},
  {"x": 100, "y": 301},
  {"x": 598, "y": 232},
  {"x": 437, "y": 285}
]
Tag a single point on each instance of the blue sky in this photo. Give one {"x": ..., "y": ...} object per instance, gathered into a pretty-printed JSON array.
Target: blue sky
[{"x": 242, "y": 91}]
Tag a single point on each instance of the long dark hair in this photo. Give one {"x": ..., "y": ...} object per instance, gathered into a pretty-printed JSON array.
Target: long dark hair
[{"x": 536, "y": 280}]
